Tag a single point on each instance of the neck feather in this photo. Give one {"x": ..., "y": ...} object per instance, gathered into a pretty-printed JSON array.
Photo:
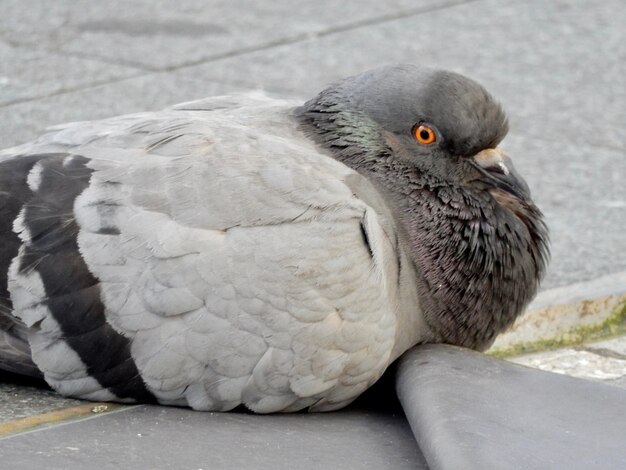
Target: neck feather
[{"x": 478, "y": 259}]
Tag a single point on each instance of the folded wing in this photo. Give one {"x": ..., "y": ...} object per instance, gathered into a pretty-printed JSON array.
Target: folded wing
[{"x": 206, "y": 256}]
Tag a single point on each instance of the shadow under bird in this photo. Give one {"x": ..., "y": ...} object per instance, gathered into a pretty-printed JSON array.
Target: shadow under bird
[{"x": 247, "y": 250}]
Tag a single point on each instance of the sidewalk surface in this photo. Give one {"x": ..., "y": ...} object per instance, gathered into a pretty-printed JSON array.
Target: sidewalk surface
[{"x": 558, "y": 67}]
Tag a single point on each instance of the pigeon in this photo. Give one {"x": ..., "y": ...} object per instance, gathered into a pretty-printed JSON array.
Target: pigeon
[{"x": 247, "y": 250}]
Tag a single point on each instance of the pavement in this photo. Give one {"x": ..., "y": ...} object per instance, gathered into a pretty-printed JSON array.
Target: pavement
[{"x": 558, "y": 67}]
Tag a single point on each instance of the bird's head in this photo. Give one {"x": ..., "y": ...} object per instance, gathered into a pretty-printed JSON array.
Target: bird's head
[{"x": 429, "y": 140}]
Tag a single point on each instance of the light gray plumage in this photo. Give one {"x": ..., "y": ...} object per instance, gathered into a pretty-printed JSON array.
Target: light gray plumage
[{"x": 246, "y": 250}]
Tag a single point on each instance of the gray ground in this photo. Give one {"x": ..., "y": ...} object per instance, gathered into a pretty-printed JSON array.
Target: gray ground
[{"x": 558, "y": 67}]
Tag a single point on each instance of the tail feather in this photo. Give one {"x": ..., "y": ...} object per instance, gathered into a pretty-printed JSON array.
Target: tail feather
[{"x": 15, "y": 355}]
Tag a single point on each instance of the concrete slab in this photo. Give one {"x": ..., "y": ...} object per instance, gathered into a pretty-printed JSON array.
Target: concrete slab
[
  {"x": 470, "y": 411},
  {"x": 28, "y": 74},
  {"x": 159, "y": 437},
  {"x": 180, "y": 32}
]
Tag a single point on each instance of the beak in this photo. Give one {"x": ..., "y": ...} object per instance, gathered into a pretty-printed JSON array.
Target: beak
[{"x": 498, "y": 170}]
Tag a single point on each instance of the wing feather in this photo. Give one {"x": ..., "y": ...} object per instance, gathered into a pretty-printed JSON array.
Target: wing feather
[{"x": 230, "y": 252}]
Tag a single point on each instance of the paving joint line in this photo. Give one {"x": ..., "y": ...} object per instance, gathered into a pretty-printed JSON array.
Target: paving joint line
[
  {"x": 106, "y": 60},
  {"x": 67, "y": 90},
  {"x": 324, "y": 32},
  {"x": 240, "y": 52}
]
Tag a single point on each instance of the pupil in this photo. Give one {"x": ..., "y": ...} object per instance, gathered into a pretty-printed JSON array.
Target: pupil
[{"x": 424, "y": 135}]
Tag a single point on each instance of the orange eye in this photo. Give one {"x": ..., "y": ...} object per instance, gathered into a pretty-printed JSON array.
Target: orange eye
[{"x": 424, "y": 134}]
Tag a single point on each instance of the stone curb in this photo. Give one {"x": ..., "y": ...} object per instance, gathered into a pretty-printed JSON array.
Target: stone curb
[
  {"x": 470, "y": 411},
  {"x": 568, "y": 315}
]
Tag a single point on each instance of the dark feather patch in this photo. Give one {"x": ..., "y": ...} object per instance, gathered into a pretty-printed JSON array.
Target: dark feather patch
[
  {"x": 73, "y": 294},
  {"x": 14, "y": 192},
  {"x": 15, "y": 353}
]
